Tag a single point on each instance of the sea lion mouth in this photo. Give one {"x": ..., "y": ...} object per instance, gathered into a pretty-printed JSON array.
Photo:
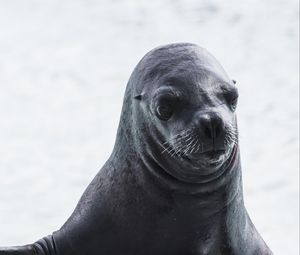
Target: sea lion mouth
[
  {"x": 190, "y": 147},
  {"x": 208, "y": 154},
  {"x": 211, "y": 157},
  {"x": 213, "y": 154}
]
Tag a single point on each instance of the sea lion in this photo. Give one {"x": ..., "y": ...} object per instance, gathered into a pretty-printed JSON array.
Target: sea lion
[{"x": 173, "y": 183}]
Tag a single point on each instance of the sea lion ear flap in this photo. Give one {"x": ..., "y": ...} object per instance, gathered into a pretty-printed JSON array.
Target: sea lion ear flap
[
  {"x": 234, "y": 81},
  {"x": 138, "y": 97}
]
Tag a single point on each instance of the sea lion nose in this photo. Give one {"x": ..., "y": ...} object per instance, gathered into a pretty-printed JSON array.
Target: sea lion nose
[{"x": 211, "y": 125}]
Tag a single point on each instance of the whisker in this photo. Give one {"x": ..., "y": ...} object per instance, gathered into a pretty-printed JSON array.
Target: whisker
[
  {"x": 188, "y": 146},
  {"x": 194, "y": 145},
  {"x": 171, "y": 146}
]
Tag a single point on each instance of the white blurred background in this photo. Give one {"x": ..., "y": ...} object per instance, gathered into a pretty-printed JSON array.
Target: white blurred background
[{"x": 64, "y": 65}]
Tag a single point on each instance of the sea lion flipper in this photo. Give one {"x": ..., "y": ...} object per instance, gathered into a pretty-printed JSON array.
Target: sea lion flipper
[
  {"x": 18, "y": 250},
  {"x": 44, "y": 246}
]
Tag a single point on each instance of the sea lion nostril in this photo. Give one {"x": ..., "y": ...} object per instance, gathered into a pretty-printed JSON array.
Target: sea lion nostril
[
  {"x": 212, "y": 125},
  {"x": 207, "y": 128}
]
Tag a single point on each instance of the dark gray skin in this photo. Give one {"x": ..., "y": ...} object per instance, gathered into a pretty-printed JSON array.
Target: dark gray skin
[{"x": 172, "y": 184}]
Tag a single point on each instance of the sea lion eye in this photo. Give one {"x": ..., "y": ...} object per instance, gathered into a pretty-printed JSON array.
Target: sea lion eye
[
  {"x": 165, "y": 103},
  {"x": 231, "y": 97},
  {"x": 233, "y": 103},
  {"x": 164, "y": 112}
]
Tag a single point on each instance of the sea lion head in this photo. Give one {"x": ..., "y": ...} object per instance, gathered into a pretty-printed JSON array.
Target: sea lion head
[{"x": 180, "y": 110}]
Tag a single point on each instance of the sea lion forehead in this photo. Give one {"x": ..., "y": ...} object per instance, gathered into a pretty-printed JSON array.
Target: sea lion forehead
[{"x": 180, "y": 60}]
